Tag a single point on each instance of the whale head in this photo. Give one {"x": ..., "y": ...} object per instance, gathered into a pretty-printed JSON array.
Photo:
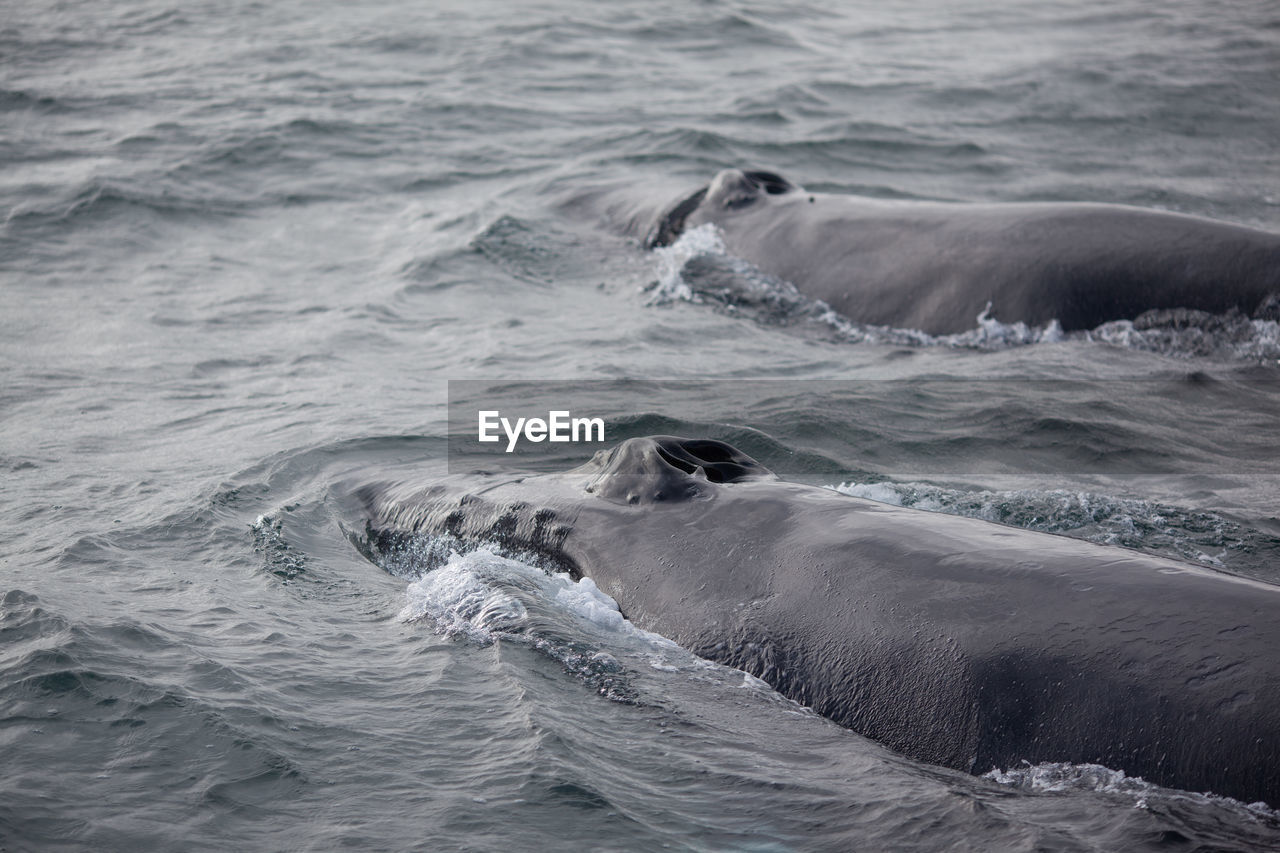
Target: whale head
[{"x": 665, "y": 468}]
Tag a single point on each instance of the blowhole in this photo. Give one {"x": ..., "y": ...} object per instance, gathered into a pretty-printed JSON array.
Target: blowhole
[{"x": 770, "y": 182}]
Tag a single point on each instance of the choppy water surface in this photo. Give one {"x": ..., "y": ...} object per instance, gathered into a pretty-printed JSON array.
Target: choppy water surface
[{"x": 245, "y": 245}]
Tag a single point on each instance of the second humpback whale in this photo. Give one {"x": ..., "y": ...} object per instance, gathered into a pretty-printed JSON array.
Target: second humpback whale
[
  {"x": 935, "y": 266},
  {"x": 955, "y": 641}
]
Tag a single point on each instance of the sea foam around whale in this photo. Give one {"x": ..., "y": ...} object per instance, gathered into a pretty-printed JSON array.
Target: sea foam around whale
[
  {"x": 485, "y": 597},
  {"x": 698, "y": 268}
]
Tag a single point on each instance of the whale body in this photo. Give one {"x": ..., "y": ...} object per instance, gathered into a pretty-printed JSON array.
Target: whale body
[
  {"x": 955, "y": 641},
  {"x": 935, "y": 266}
]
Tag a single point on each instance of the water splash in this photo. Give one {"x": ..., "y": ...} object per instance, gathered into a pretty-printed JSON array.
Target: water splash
[
  {"x": 485, "y": 598},
  {"x": 670, "y": 285},
  {"x": 278, "y": 556}
]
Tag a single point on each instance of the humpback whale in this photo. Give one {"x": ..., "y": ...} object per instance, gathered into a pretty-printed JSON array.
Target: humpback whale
[
  {"x": 935, "y": 266},
  {"x": 955, "y": 641}
]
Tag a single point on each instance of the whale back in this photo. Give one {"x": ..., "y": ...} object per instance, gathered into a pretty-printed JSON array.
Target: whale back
[
  {"x": 953, "y": 640},
  {"x": 936, "y": 266}
]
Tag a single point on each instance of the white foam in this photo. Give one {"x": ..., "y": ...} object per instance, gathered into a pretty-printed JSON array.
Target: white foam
[
  {"x": 1057, "y": 777},
  {"x": 747, "y": 287},
  {"x": 671, "y": 286},
  {"x": 988, "y": 334},
  {"x": 586, "y": 600},
  {"x": 1233, "y": 336},
  {"x": 885, "y": 493},
  {"x": 483, "y": 595},
  {"x": 461, "y": 597}
]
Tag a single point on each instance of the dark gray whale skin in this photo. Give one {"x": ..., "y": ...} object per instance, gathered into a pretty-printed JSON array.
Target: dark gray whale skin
[
  {"x": 955, "y": 641},
  {"x": 935, "y": 266}
]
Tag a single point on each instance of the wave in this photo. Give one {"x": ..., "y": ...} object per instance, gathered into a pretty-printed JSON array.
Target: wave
[
  {"x": 100, "y": 199},
  {"x": 278, "y": 556},
  {"x": 19, "y": 100}
]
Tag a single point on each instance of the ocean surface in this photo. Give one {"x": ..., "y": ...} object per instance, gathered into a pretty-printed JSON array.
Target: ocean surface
[{"x": 244, "y": 246}]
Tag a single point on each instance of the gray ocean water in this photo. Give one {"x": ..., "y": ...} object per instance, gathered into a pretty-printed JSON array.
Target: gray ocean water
[{"x": 245, "y": 245}]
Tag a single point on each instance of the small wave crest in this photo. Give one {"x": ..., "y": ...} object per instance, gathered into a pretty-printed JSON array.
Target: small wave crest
[
  {"x": 99, "y": 199},
  {"x": 698, "y": 268},
  {"x": 278, "y": 556},
  {"x": 1059, "y": 777},
  {"x": 1190, "y": 334}
]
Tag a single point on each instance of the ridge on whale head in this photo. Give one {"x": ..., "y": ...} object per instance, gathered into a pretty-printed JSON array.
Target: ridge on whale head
[
  {"x": 935, "y": 266},
  {"x": 731, "y": 188},
  {"x": 665, "y": 468},
  {"x": 955, "y": 641}
]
